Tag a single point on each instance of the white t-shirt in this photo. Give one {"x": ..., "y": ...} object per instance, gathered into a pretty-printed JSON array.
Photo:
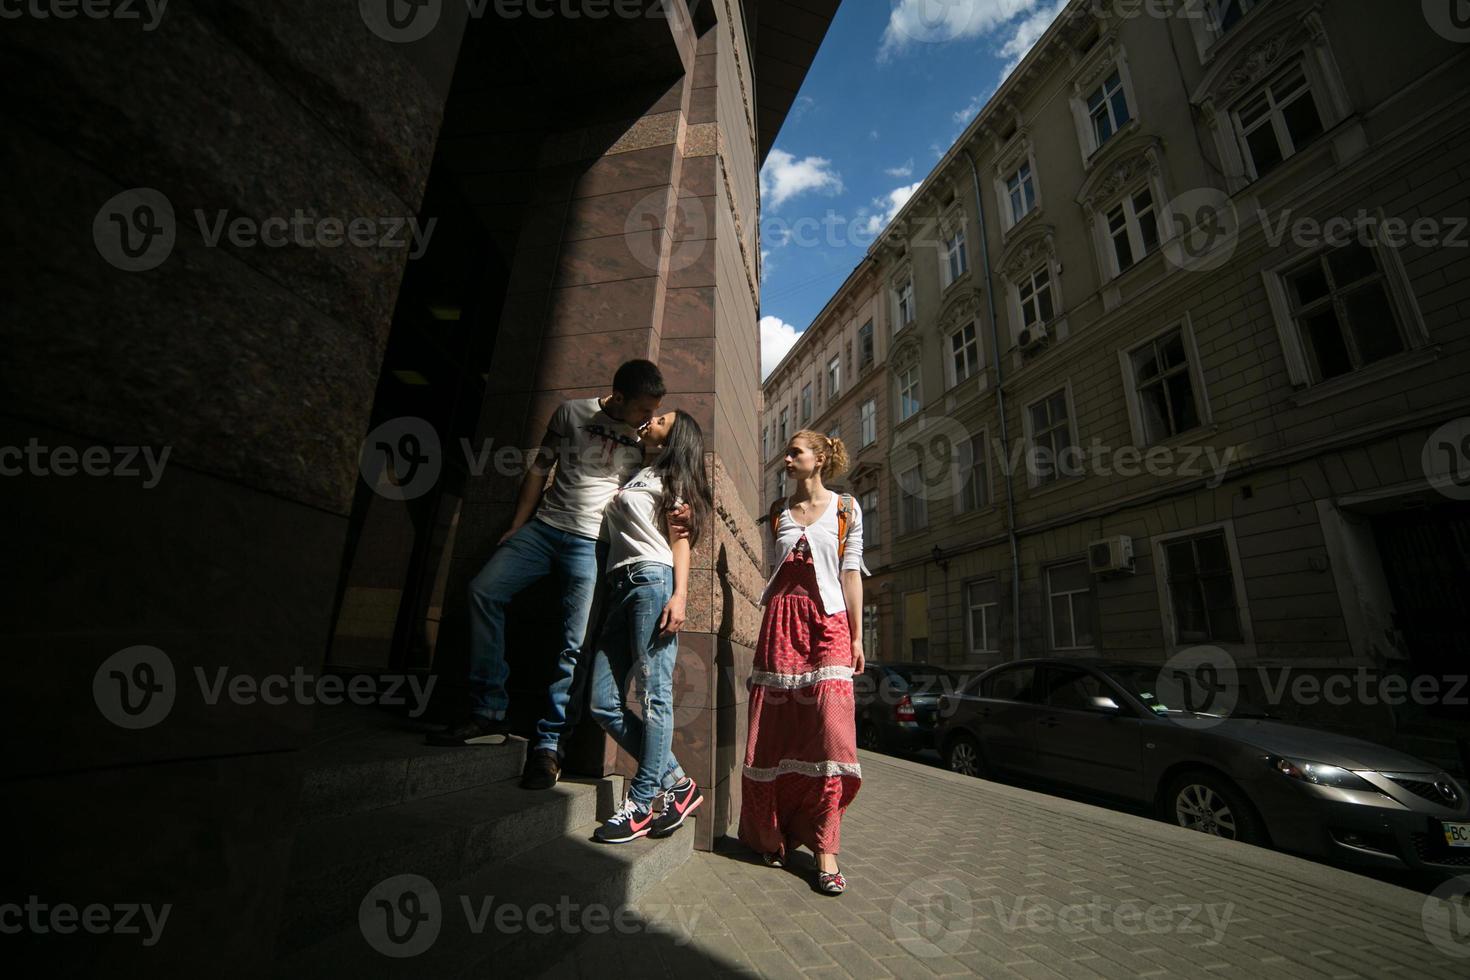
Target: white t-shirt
[
  {"x": 595, "y": 454},
  {"x": 635, "y": 522}
]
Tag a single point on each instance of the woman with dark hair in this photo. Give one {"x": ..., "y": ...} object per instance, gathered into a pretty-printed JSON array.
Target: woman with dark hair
[
  {"x": 648, "y": 584},
  {"x": 801, "y": 769}
]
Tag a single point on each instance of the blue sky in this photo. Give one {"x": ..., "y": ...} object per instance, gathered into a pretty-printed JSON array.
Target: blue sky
[{"x": 893, "y": 85}]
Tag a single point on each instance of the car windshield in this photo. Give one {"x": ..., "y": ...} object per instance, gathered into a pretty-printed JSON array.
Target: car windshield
[
  {"x": 1166, "y": 692},
  {"x": 923, "y": 679}
]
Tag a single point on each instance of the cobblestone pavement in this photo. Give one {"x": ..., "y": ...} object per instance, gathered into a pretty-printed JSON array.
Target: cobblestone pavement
[{"x": 949, "y": 875}]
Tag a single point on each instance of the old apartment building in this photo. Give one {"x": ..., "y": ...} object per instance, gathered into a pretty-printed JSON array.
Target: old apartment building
[{"x": 1138, "y": 401}]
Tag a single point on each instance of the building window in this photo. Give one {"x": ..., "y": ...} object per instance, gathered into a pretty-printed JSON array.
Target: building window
[
  {"x": 834, "y": 377},
  {"x": 865, "y": 345},
  {"x": 908, "y": 394},
  {"x": 806, "y": 403},
  {"x": 1229, "y": 12},
  {"x": 1280, "y": 119},
  {"x": 785, "y": 427},
  {"x": 1034, "y": 293},
  {"x": 870, "y": 629},
  {"x": 1341, "y": 308},
  {"x": 913, "y": 512},
  {"x": 983, "y": 621},
  {"x": 1069, "y": 603},
  {"x": 964, "y": 352},
  {"x": 1164, "y": 381},
  {"x": 1108, "y": 108},
  {"x": 1202, "y": 589},
  {"x": 835, "y": 432},
  {"x": 765, "y": 442},
  {"x": 871, "y": 521},
  {"x": 1051, "y": 435},
  {"x": 1133, "y": 227},
  {"x": 904, "y": 296},
  {"x": 956, "y": 262},
  {"x": 781, "y": 485},
  {"x": 1021, "y": 189},
  {"x": 975, "y": 493},
  {"x": 868, "y": 417}
]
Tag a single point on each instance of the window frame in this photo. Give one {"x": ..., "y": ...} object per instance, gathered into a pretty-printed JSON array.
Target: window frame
[
  {"x": 979, "y": 467},
  {"x": 970, "y": 350},
  {"x": 869, "y": 502},
  {"x": 1246, "y": 647},
  {"x": 992, "y": 628},
  {"x": 868, "y": 422},
  {"x": 1051, "y": 595},
  {"x": 916, "y": 387},
  {"x": 867, "y": 348},
  {"x": 954, "y": 259},
  {"x": 806, "y": 403},
  {"x": 1033, "y": 477},
  {"x": 1276, "y": 119},
  {"x": 834, "y": 376},
  {"x": 1132, "y": 227},
  {"x": 920, "y": 519},
  {"x": 906, "y": 307},
  {"x": 1194, "y": 366},
  {"x": 1022, "y": 301}
]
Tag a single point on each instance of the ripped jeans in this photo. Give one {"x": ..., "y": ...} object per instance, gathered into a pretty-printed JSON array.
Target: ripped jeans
[{"x": 629, "y": 644}]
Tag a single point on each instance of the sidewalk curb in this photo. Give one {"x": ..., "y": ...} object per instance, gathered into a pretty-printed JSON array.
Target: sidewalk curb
[{"x": 1300, "y": 870}]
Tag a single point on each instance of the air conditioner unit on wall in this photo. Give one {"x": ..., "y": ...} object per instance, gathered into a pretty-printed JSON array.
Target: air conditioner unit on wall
[
  {"x": 1032, "y": 337},
  {"x": 1111, "y": 555}
]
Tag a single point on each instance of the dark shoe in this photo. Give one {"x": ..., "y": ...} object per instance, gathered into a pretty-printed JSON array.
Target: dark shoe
[
  {"x": 679, "y": 802},
  {"x": 543, "y": 769},
  {"x": 630, "y": 822},
  {"x": 831, "y": 883},
  {"x": 475, "y": 731}
]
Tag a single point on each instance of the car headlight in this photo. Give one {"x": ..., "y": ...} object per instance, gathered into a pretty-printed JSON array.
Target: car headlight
[{"x": 1321, "y": 774}]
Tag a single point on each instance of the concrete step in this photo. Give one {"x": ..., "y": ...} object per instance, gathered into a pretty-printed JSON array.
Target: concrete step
[
  {"x": 553, "y": 896},
  {"x": 447, "y": 837},
  {"x": 382, "y": 768}
]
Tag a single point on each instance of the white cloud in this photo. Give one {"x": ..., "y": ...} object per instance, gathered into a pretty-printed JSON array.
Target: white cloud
[
  {"x": 777, "y": 338},
  {"x": 896, "y": 199},
  {"x": 906, "y": 170},
  {"x": 784, "y": 177},
  {"x": 872, "y": 134},
  {"x": 963, "y": 116},
  {"x": 1025, "y": 34},
  {"x": 916, "y": 22}
]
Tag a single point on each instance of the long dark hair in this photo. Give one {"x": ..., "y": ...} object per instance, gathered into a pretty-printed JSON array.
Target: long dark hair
[{"x": 681, "y": 468}]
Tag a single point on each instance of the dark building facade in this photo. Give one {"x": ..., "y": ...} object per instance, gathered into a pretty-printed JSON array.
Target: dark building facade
[{"x": 320, "y": 266}]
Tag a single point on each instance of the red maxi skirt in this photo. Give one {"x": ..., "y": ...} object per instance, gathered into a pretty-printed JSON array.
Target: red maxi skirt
[{"x": 801, "y": 769}]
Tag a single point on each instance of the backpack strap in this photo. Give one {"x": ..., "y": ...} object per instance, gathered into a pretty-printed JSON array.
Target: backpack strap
[{"x": 844, "y": 518}]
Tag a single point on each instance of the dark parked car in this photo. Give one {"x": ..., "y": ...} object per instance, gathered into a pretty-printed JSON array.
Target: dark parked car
[
  {"x": 897, "y": 705},
  {"x": 1104, "y": 728}
]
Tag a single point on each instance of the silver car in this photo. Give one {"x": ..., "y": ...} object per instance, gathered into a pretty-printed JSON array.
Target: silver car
[{"x": 1099, "y": 726}]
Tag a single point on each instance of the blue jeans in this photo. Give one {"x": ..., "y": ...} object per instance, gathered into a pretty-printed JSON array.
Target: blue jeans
[
  {"x": 636, "y": 597},
  {"x": 532, "y": 553}
]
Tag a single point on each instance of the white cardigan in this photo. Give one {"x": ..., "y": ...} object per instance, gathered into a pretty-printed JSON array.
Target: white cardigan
[{"x": 821, "y": 536}]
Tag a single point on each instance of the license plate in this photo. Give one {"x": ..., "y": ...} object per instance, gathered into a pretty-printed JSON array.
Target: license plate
[{"x": 1457, "y": 834}]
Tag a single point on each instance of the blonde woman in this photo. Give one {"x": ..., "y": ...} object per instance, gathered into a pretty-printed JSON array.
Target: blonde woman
[{"x": 801, "y": 769}]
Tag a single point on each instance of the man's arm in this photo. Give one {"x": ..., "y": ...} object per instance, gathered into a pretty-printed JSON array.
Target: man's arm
[{"x": 533, "y": 484}]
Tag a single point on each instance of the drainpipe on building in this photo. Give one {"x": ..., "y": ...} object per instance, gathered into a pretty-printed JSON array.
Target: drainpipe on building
[{"x": 1000, "y": 404}]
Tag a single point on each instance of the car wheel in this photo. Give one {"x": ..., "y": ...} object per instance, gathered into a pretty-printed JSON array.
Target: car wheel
[
  {"x": 962, "y": 755},
  {"x": 868, "y": 737},
  {"x": 1210, "y": 803}
]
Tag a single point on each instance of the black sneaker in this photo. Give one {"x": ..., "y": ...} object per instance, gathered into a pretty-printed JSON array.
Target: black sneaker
[
  {"x": 475, "y": 731},
  {"x": 679, "y": 802},
  {"x": 543, "y": 769},
  {"x": 629, "y": 822}
]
